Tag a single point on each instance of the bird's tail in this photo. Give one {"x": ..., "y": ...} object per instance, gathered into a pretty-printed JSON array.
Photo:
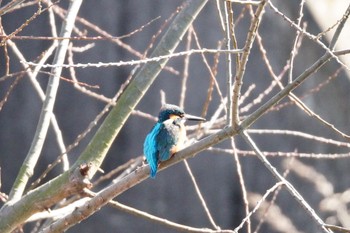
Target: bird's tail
[{"x": 154, "y": 167}]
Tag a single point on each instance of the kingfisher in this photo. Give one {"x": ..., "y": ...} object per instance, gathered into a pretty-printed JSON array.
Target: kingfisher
[{"x": 167, "y": 136}]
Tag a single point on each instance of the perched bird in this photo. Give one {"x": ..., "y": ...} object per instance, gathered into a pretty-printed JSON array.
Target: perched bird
[{"x": 167, "y": 136}]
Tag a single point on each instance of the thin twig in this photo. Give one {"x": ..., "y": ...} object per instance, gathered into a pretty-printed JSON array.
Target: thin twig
[
  {"x": 283, "y": 154},
  {"x": 165, "y": 222},
  {"x": 232, "y": 25},
  {"x": 162, "y": 27},
  {"x": 273, "y": 200},
  {"x": 76, "y": 82},
  {"x": 10, "y": 89},
  {"x": 245, "y": 2},
  {"x": 56, "y": 128},
  {"x": 9, "y": 6},
  {"x": 205, "y": 61},
  {"x": 6, "y": 55},
  {"x": 25, "y": 24},
  {"x": 300, "y": 134},
  {"x": 244, "y": 59},
  {"x": 339, "y": 29},
  {"x": 200, "y": 196},
  {"x": 290, "y": 87},
  {"x": 296, "y": 195},
  {"x": 116, "y": 170},
  {"x": 257, "y": 206},
  {"x": 185, "y": 70},
  {"x": 247, "y": 94},
  {"x": 77, "y": 38},
  {"x": 228, "y": 19},
  {"x": 211, "y": 85},
  {"x": 136, "y": 62},
  {"x": 293, "y": 97},
  {"x": 61, "y": 12},
  {"x": 242, "y": 184},
  {"x": 294, "y": 49},
  {"x": 313, "y": 37},
  {"x": 337, "y": 228},
  {"x": 219, "y": 6},
  {"x": 308, "y": 173}
]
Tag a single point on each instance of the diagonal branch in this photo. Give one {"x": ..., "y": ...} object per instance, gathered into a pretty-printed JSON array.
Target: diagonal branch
[
  {"x": 290, "y": 87},
  {"x": 339, "y": 28},
  {"x": 242, "y": 184},
  {"x": 165, "y": 222},
  {"x": 200, "y": 196},
  {"x": 243, "y": 62},
  {"x": 10, "y": 6},
  {"x": 296, "y": 195},
  {"x": 32, "y": 157},
  {"x": 227, "y": 10},
  {"x": 315, "y": 38},
  {"x": 130, "y": 180}
]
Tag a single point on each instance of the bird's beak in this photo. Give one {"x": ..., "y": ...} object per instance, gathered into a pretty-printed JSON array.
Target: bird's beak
[{"x": 193, "y": 118}]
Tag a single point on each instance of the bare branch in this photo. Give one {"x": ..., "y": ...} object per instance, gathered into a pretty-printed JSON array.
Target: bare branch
[
  {"x": 242, "y": 185},
  {"x": 244, "y": 59},
  {"x": 257, "y": 206},
  {"x": 288, "y": 185},
  {"x": 200, "y": 196},
  {"x": 9, "y": 6},
  {"x": 27, "y": 168},
  {"x": 136, "y": 62},
  {"x": 290, "y": 87}
]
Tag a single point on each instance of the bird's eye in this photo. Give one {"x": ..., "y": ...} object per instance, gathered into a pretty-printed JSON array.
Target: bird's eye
[{"x": 177, "y": 122}]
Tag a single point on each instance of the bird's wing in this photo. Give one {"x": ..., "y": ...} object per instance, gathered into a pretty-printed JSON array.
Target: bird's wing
[{"x": 150, "y": 148}]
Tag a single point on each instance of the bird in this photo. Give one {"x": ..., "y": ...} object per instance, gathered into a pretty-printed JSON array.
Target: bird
[{"x": 167, "y": 136}]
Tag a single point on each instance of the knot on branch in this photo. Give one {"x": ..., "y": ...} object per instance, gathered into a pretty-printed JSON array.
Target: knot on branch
[{"x": 80, "y": 177}]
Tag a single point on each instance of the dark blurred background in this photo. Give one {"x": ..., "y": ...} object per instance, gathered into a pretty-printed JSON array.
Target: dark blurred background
[{"x": 171, "y": 195}]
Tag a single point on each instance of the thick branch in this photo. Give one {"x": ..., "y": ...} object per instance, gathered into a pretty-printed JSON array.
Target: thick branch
[
  {"x": 134, "y": 178},
  {"x": 42, "y": 198}
]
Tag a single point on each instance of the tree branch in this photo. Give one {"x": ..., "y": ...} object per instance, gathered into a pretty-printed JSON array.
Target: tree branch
[
  {"x": 243, "y": 62},
  {"x": 290, "y": 87},
  {"x": 296, "y": 195},
  {"x": 42, "y": 198},
  {"x": 32, "y": 157},
  {"x": 130, "y": 180}
]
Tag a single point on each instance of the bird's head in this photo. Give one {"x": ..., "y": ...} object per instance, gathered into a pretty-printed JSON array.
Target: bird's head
[{"x": 169, "y": 111}]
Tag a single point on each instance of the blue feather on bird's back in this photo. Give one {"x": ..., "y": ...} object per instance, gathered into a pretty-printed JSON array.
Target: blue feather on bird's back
[{"x": 150, "y": 149}]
